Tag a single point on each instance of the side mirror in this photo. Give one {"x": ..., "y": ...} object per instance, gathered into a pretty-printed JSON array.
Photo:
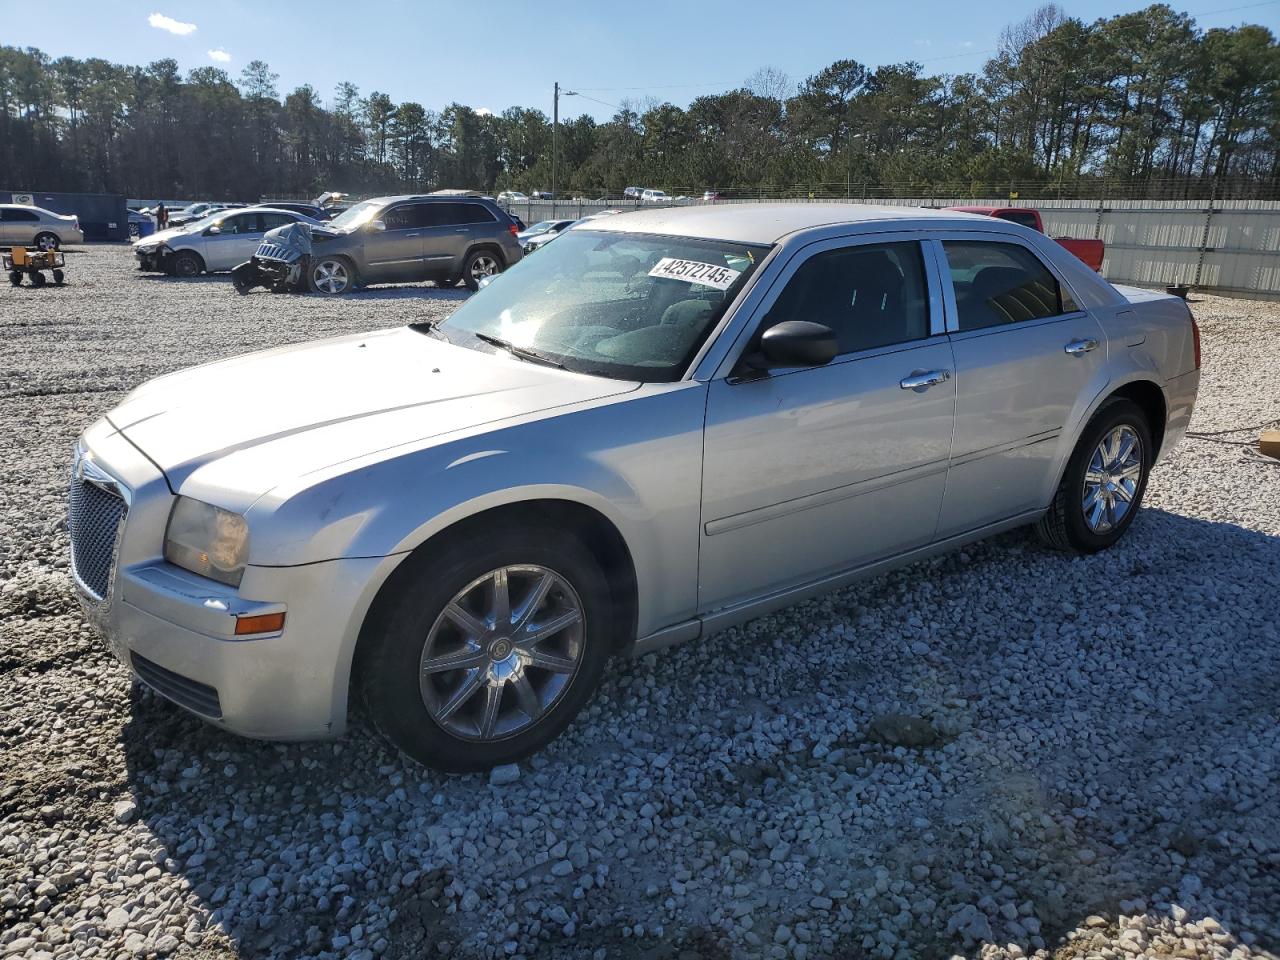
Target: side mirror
[
  {"x": 794, "y": 343},
  {"x": 213, "y": 231},
  {"x": 377, "y": 226}
]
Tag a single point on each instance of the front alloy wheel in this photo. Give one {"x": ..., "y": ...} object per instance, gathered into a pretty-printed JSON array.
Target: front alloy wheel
[
  {"x": 502, "y": 652},
  {"x": 331, "y": 276},
  {"x": 486, "y": 645}
]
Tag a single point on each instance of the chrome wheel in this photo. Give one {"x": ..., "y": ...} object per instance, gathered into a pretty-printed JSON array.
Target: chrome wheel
[
  {"x": 46, "y": 242},
  {"x": 483, "y": 266},
  {"x": 331, "y": 276},
  {"x": 1111, "y": 479},
  {"x": 502, "y": 652}
]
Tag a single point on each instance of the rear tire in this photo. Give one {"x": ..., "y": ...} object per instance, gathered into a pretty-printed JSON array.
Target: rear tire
[
  {"x": 186, "y": 264},
  {"x": 58, "y": 277},
  {"x": 15, "y": 278},
  {"x": 480, "y": 264},
  {"x": 507, "y": 705},
  {"x": 47, "y": 241},
  {"x": 1102, "y": 487}
]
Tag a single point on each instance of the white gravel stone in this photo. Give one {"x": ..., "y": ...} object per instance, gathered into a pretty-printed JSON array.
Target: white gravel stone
[{"x": 1116, "y": 704}]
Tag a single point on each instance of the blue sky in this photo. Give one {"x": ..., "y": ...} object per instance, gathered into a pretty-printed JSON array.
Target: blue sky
[{"x": 501, "y": 53}]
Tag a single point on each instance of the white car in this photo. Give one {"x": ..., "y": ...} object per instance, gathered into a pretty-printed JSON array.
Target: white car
[
  {"x": 664, "y": 424},
  {"x": 512, "y": 196},
  {"x": 219, "y": 242},
  {"x": 26, "y": 226},
  {"x": 654, "y": 196}
]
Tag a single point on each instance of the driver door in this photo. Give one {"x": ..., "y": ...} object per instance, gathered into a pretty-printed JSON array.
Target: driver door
[
  {"x": 395, "y": 254},
  {"x": 812, "y": 471}
]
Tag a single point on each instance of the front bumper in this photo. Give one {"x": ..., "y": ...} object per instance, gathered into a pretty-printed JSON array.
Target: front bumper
[
  {"x": 152, "y": 259},
  {"x": 175, "y": 631}
]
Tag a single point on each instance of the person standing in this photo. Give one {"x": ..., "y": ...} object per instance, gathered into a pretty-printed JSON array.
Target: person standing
[{"x": 162, "y": 217}]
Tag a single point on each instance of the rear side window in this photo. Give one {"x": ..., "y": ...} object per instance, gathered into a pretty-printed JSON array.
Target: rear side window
[
  {"x": 455, "y": 214},
  {"x": 1023, "y": 217},
  {"x": 1000, "y": 283},
  {"x": 272, "y": 220},
  {"x": 14, "y": 215},
  {"x": 870, "y": 295}
]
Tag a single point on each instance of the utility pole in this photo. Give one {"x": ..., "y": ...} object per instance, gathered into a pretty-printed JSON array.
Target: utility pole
[{"x": 555, "y": 129}]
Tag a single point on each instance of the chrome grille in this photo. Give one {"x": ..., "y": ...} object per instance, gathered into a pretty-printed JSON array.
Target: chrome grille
[
  {"x": 93, "y": 520},
  {"x": 276, "y": 251}
]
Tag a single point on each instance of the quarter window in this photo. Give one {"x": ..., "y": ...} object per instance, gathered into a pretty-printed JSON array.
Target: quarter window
[
  {"x": 1001, "y": 283},
  {"x": 870, "y": 295}
]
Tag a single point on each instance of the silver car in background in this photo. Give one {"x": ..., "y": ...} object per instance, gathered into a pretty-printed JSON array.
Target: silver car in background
[
  {"x": 663, "y": 424},
  {"x": 222, "y": 240},
  {"x": 27, "y": 226}
]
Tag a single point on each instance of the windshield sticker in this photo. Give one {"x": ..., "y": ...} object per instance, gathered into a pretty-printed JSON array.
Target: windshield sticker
[{"x": 694, "y": 271}]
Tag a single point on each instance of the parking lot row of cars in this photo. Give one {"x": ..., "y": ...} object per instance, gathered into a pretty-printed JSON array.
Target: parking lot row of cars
[
  {"x": 444, "y": 238},
  {"x": 640, "y": 194}
]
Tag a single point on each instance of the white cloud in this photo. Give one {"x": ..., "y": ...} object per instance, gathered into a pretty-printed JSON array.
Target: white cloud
[
  {"x": 161, "y": 22},
  {"x": 220, "y": 55},
  {"x": 484, "y": 112}
]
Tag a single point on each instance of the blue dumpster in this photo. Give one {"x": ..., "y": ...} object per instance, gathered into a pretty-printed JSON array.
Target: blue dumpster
[{"x": 146, "y": 226}]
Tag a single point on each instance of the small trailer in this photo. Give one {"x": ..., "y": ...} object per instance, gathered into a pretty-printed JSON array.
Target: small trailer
[{"x": 20, "y": 260}]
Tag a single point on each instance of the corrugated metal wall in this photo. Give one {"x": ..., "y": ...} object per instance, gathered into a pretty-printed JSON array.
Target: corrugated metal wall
[{"x": 1224, "y": 246}]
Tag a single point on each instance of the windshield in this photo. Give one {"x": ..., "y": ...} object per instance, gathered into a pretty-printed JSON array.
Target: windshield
[
  {"x": 621, "y": 305},
  {"x": 542, "y": 226},
  {"x": 356, "y": 216}
]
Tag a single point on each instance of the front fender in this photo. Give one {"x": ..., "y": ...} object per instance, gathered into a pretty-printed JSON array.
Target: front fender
[{"x": 637, "y": 462}]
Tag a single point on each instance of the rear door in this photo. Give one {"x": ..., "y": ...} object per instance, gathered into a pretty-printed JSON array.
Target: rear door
[
  {"x": 1028, "y": 362},
  {"x": 395, "y": 254},
  {"x": 453, "y": 228}
]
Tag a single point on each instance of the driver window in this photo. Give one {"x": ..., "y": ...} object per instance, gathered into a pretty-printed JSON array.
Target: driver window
[
  {"x": 870, "y": 295},
  {"x": 399, "y": 218}
]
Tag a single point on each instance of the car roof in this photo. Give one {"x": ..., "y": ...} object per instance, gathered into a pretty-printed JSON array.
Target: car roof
[{"x": 770, "y": 222}]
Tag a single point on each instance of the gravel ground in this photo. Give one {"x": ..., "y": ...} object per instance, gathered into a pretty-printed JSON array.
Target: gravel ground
[{"x": 1005, "y": 752}]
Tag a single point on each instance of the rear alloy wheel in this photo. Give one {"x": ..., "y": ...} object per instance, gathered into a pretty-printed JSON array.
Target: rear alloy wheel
[
  {"x": 187, "y": 264},
  {"x": 490, "y": 648},
  {"x": 47, "y": 241},
  {"x": 479, "y": 265},
  {"x": 1103, "y": 483},
  {"x": 331, "y": 275}
]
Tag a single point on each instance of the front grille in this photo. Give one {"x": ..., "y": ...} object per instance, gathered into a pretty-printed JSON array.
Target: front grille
[
  {"x": 195, "y": 696},
  {"x": 276, "y": 251},
  {"x": 93, "y": 520}
]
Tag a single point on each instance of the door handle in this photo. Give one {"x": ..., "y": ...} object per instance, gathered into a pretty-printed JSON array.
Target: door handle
[
  {"x": 922, "y": 380},
  {"x": 1082, "y": 346},
  {"x": 461, "y": 230},
  {"x": 413, "y": 234}
]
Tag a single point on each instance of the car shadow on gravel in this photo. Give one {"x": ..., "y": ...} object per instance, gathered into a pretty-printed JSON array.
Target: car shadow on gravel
[{"x": 1158, "y": 803}]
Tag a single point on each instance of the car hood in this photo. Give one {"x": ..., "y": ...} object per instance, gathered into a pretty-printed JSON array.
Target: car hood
[
  {"x": 247, "y": 424},
  {"x": 161, "y": 236}
]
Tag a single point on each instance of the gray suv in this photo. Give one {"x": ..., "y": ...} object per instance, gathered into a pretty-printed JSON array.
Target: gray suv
[{"x": 399, "y": 239}]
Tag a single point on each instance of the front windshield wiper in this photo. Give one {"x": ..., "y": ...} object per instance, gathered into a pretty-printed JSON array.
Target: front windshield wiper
[{"x": 522, "y": 352}]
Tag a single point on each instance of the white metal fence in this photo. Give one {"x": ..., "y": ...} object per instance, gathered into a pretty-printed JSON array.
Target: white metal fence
[{"x": 1220, "y": 246}]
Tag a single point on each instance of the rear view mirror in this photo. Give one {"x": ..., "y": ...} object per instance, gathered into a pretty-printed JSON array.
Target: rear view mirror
[
  {"x": 377, "y": 226},
  {"x": 794, "y": 343}
]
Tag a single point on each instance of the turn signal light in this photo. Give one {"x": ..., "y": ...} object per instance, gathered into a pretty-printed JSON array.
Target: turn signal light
[{"x": 262, "y": 623}]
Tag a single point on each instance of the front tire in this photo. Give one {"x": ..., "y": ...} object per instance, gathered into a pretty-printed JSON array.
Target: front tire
[
  {"x": 332, "y": 276},
  {"x": 490, "y": 647},
  {"x": 187, "y": 264},
  {"x": 15, "y": 278},
  {"x": 478, "y": 265},
  {"x": 1103, "y": 484}
]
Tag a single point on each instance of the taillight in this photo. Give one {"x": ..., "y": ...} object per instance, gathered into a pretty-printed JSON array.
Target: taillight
[
  {"x": 513, "y": 228},
  {"x": 1195, "y": 337}
]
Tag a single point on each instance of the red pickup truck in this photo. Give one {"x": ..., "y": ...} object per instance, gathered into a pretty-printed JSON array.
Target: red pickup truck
[{"x": 1090, "y": 251}]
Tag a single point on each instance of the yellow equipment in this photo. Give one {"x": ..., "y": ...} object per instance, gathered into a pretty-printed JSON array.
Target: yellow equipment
[{"x": 21, "y": 261}]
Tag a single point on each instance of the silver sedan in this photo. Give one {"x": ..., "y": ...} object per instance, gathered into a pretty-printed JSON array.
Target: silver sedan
[{"x": 664, "y": 424}]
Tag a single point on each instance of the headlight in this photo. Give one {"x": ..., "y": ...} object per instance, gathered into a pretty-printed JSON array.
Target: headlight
[{"x": 207, "y": 540}]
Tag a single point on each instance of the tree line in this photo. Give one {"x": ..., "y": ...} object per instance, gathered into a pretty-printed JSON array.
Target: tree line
[{"x": 1144, "y": 103}]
